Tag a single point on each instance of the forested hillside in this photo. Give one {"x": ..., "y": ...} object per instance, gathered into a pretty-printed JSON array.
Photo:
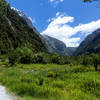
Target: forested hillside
[{"x": 14, "y": 31}]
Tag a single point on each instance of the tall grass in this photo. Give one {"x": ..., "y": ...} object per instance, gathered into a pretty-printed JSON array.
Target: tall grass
[{"x": 52, "y": 82}]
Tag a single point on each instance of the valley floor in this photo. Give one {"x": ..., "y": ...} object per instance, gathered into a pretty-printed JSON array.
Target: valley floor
[{"x": 51, "y": 82}]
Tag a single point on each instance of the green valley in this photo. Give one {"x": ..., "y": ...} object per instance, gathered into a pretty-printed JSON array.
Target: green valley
[{"x": 62, "y": 62}]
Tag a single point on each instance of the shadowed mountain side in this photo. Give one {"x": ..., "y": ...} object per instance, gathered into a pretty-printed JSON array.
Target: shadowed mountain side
[{"x": 91, "y": 44}]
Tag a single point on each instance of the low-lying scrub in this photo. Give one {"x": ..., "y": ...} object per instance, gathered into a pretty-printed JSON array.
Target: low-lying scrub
[{"x": 52, "y": 82}]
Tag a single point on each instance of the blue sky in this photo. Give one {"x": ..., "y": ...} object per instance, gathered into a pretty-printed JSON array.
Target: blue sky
[{"x": 77, "y": 19}]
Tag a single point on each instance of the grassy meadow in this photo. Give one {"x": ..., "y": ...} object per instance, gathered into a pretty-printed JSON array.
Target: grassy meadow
[{"x": 51, "y": 81}]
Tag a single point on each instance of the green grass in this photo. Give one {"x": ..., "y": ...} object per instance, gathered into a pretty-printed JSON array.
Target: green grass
[{"x": 52, "y": 82}]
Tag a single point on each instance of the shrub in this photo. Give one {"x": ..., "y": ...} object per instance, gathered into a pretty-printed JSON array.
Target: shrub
[
  {"x": 52, "y": 74},
  {"x": 42, "y": 57},
  {"x": 21, "y": 55},
  {"x": 38, "y": 58},
  {"x": 92, "y": 86},
  {"x": 13, "y": 58},
  {"x": 57, "y": 59}
]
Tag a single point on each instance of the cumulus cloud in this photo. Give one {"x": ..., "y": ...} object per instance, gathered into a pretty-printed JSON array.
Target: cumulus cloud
[
  {"x": 56, "y": 1},
  {"x": 59, "y": 28}
]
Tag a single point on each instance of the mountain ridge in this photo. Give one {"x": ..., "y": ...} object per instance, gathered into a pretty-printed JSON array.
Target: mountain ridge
[
  {"x": 52, "y": 45},
  {"x": 90, "y": 44},
  {"x": 15, "y": 32}
]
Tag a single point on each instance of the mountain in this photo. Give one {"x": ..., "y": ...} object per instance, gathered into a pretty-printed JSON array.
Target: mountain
[
  {"x": 15, "y": 32},
  {"x": 54, "y": 45},
  {"x": 71, "y": 50},
  {"x": 27, "y": 19},
  {"x": 91, "y": 44}
]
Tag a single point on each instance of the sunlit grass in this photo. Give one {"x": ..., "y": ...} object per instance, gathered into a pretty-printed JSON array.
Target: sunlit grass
[{"x": 52, "y": 82}]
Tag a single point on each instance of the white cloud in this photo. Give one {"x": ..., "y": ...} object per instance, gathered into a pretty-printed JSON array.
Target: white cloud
[
  {"x": 32, "y": 20},
  {"x": 56, "y": 1},
  {"x": 72, "y": 42},
  {"x": 59, "y": 28},
  {"x": 52, "y": 0},
  {"x": 58, "y": 13}
]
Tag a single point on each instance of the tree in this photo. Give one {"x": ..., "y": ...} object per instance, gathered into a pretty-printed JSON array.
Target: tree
[
  {"x": 22, "y": 55},
  {"x": 85, "y": 59},
  {"x": 3, "y": 7},
  {"x": 38, "y": 58},
  {"x": 13, "y": 58},
  {"x": 90, "y": 0},
  {"x": 25, "y": 55},
  {"x": 95, "y": 61}
]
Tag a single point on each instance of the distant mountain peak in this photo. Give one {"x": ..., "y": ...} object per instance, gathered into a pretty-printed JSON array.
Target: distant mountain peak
[{"x": 21, "y": 13}]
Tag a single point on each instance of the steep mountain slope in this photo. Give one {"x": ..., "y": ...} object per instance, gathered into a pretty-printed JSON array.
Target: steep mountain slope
[
  {"x": 27, "y": 19},
  {"x": 54, "y": 46},
  {"x": 15, "y": 32},
  {"x": 91, "y": 44},
  {"x": 71, "y": 50}
]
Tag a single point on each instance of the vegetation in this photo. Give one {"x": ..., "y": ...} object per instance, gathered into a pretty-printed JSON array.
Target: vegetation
[
  {"x": 28, "y": 71},
  {"x": 14, "y": 32},
  {"x": 90, "y": 0},
  {"x": 3, "y": 7},
  {"x": 21, "y": 55},
  {"x": 25, "y": 55},
  {"x": 52, "y": 82}
]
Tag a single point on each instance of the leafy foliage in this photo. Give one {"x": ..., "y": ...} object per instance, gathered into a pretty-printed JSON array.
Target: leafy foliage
[
  {"x": 25, "y": 55},
  {"x": 22, "y": 55},
  {"x": 90, "y": 0},
  {"x": 3, "y": 7}
]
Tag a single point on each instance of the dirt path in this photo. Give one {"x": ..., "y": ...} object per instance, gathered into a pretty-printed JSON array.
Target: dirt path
[{"x": 4, "y": 95}]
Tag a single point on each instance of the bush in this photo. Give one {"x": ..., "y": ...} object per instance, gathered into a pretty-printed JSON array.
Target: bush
[
  {"x": 21, "y": 55},
  {"x": 52, "y": 75},
  {"x": 13, "y": 58},
  {"x": 42, "y": 57},
  {"x": 57, "y": 59},
  {"x": 25, "y": 55},
  {"x": 38, "y": 58},
  {"x": 92, "y": 86}
]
